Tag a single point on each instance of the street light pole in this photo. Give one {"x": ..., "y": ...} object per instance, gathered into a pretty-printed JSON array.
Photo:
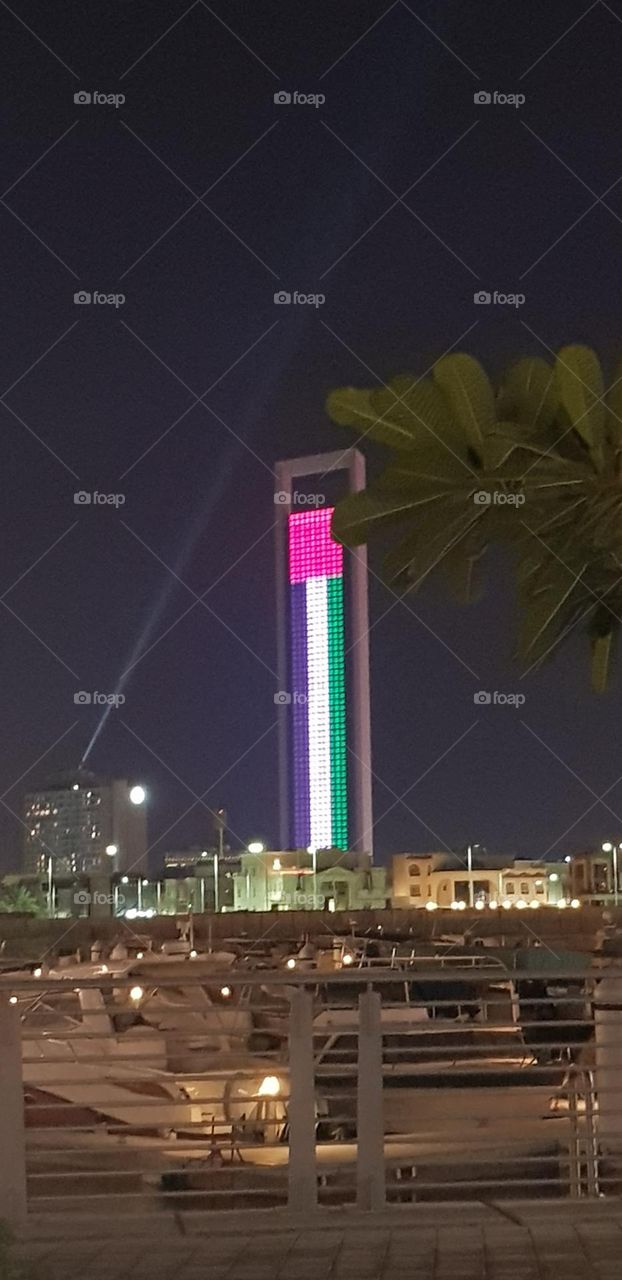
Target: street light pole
[
  {"x": 470, "y": 869},
  {"x": 609, "y": 847},
  {"x": 50, "y": 888}
]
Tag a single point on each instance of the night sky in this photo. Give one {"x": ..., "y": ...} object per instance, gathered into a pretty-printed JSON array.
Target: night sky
[{"x": 108, "y": 398}]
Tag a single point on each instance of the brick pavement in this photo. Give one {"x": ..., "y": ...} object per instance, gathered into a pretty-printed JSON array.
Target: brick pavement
[{"x": 547, "y": 1241}]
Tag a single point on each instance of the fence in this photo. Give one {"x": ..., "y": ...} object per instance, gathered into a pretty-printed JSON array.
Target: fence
[{"x": 175, "y": 1085}]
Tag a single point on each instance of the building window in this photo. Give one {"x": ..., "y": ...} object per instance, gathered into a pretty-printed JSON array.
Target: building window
[
  {"x": 415, "y": 891},
  {"x": 414, "y": 870},
  {"x": 509, "y": 887},
  {"x": 524, "y": 887}
]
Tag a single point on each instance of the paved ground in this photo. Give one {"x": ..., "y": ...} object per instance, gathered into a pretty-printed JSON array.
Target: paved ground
[{"x": 512, "y": 1241}]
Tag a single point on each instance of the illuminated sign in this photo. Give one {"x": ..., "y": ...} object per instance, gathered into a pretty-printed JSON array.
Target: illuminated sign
[{"x": 318, "y": 703}]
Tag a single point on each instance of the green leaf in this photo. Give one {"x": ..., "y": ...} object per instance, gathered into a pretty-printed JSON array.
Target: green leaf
[
  {"x": 549, "y": 605},
  {"x": 602, "y": 649},
  {"x": 426, "y": 548},
  {"x": 350, "y": 407},
  {"x": 359, "y": 514},
  {"x": 529, "y": 394},
  {"x": 580, "y": 382},
  {"x": 402, "y": 415},
  {"x": 416, "y": 410},
  {"x": 469, "y": 394}
]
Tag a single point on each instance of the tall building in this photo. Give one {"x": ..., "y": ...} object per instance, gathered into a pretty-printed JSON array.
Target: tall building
[
  {"x": 323, "y": 660},
  {"x": 85, "y": 825}
]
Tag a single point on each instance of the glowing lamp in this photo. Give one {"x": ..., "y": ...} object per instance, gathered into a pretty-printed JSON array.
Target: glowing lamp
[{"x": 270, "y": 1087}]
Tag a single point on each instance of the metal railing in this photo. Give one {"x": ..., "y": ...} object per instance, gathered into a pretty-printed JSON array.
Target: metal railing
[{"x": 127, "y": 1090}]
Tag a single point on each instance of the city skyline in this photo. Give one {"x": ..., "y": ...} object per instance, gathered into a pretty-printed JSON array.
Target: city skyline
[{"x": 181, "y": 301}]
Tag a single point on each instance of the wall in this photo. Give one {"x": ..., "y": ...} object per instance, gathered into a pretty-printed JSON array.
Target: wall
[{"x": 28, "y": 938}]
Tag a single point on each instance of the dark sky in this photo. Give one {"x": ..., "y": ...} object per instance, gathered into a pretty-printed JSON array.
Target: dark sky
[{"x": 106, "y": 398}]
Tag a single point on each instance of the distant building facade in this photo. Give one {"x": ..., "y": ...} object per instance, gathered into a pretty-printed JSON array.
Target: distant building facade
[
  {"x": 296, "y": 881},
  {"x": 208, "y": 877},
  {"x": 443, "y": 879},
  {"x": 73, "y": 819}
]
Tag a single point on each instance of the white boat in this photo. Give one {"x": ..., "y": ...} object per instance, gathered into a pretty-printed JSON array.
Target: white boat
[{"x": 84, "y": 1047}]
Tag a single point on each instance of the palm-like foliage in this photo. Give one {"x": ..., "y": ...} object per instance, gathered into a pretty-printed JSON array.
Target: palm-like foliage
[
  {"x": 536, "y": 465},
  {"x": 17, "y": 898}
]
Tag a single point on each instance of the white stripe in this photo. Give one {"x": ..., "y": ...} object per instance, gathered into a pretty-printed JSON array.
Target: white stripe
[{"x": 319, "y": 713}]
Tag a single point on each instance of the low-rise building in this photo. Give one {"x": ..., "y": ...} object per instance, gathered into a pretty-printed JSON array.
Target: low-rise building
[
  {"x": 444, "y": 879},
  {"x": 329, "y": 880}
]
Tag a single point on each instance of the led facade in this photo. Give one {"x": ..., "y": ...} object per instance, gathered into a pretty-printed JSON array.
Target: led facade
[
  {"x": 323, "y": 666},
  {"x": 318, "y": 706}
]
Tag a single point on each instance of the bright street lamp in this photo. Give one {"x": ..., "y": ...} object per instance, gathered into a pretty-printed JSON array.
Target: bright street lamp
[
  {"x": 256, "y": 846},
  {"x": 112, "y": 850},
  {"x": 608, "y": 847},
  {"x": 137, "y": 795}
]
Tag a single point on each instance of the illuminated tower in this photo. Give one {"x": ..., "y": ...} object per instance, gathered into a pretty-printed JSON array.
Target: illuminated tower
[{"x": 323, "y": 660}]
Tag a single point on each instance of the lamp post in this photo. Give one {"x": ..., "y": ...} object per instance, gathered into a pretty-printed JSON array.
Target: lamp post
[
  {"x": 50, "y": 894},
  {"x": 470, "y": 870},
  {"x": 608, "y": 847}
]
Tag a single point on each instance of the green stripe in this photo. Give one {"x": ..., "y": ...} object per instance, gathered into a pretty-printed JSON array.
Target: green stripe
[{"x": 337, "y": 696}]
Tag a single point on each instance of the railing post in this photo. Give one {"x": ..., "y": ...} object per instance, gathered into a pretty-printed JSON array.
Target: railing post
[
  {"x": 12, "y": 1131},
  {"x": 302, "y": 1173},
  {"x": 370, "y": 1185},
  {"x": 608, "y": 1063}
]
